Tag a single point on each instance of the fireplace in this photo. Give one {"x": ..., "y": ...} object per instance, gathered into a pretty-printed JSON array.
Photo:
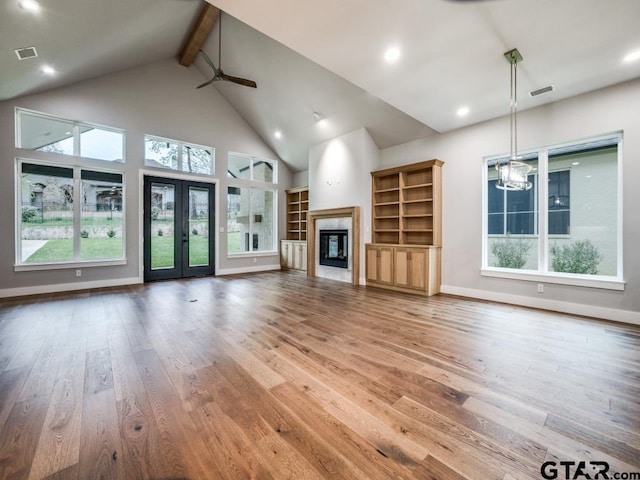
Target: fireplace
[{"x": 334, "y": 248}]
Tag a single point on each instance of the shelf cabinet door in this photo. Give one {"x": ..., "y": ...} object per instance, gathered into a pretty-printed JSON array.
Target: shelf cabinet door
[
  {"x": 411, "y": 266},
  {"x": 379, "y": 267},
  {"x": 300, "y": 256},
  {"x": 290, "y": 254}
]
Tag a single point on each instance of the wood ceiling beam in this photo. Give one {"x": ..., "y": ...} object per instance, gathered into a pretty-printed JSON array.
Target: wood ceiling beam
[{"x": 199, "y": 34}]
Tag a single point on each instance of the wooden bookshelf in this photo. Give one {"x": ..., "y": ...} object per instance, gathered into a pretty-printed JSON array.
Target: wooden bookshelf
[
  {"x": 297, "y": 208},
  {"x": 406, "y": 206}
]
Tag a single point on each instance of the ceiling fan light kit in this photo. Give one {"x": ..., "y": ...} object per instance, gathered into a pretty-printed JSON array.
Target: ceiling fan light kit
[{"x": 513, "y": 174}]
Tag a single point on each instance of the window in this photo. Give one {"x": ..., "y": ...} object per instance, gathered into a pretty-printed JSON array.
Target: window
[
  {"x": 511, "y": 212},
  {"x": 568, "y": 225},
  {"x": 174, "y": 155},
  {"x": 251, "y": 220},
  {"x": 69, "y": 214},
  {"x": 46, "y": 133},
  {"x": 246, "y": 167}
]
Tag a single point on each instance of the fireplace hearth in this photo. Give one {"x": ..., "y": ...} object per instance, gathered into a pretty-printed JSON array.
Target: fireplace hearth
[{"x": 334, "y": 248}]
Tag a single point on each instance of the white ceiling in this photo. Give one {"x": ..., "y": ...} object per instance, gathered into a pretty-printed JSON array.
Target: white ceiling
[{"x": 327, "y": 56}]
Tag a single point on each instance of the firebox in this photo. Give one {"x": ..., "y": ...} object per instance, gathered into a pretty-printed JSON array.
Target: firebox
[{"x": 334, "y": 248}]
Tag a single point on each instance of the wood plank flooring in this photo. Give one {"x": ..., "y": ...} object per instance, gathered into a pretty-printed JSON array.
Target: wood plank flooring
[{"x": 280, "y": 376}]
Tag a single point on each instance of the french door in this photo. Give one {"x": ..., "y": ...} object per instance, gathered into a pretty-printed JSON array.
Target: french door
[{"x": 179, "y": 222}]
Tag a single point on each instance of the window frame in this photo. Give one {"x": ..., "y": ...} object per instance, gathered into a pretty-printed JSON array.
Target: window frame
[
  {"x": 76, "y": 262},
  {"x": 543, "y": 274},
  {"x": 76, "y": 133},
  {"x": 253, "y": 160},
  {"x": 251, "y": 186},
  {"x": 181, "y": 147}
]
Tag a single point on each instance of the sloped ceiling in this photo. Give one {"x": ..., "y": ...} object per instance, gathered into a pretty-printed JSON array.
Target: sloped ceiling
[
  {"x": 328, "y": 57},
  {"x": 290, "y": 89},
  {"x": 452, "y": 51}
]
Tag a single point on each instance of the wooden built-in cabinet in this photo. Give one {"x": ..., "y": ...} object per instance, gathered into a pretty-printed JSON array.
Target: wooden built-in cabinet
[
  {"x": 406, "y": 206},
  {"x": 293, "y": 254},
  {"x": 297, "y": 208},
  {"x": 293, "y": 250}
]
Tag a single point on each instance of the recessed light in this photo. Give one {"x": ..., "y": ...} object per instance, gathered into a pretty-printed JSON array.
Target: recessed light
[
  {"x": 30, "y": 5},
  {"x": 392, "y": 54},
  {"x": 632, "y": 56},
  {"x": 463, "y": 111},
  {"x": 575, "y": 163},
  {"x": 47, "y": 70},
  {"x": 278, "y": 134}
]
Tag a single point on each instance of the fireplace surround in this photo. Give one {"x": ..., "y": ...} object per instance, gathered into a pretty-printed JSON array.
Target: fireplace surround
[{"x": 346, "y": 212}]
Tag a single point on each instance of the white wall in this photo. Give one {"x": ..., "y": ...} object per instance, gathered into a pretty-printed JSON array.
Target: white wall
[
  {"x": 339, "y": 176},
  {"x": 159, "y": 99},
  {"x": 600, "y": 112},
  {"x": 300, "y": 179}
]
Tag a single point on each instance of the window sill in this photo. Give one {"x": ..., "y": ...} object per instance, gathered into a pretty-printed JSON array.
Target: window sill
[
  {"x": 598, "y": 281},
  {"x": 67, "y": 265}
]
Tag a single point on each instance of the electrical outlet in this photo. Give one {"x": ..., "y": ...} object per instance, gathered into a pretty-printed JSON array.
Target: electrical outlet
[
  {"x": 541, "y": 288},
  {"x": 78, "y": 273}
]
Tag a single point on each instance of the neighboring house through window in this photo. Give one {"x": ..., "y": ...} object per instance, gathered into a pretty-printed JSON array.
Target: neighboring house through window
[{"x": 568, "y": 225}]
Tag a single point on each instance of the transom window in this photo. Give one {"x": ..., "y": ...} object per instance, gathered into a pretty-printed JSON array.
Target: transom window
[
  {"x": 47, "y": 133},
  {"x": 246, "y": 167},
  {"x": 175, "y": 155}
]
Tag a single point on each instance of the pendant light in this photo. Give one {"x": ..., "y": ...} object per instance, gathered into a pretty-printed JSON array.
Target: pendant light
[{"x": 513, "y": 174}]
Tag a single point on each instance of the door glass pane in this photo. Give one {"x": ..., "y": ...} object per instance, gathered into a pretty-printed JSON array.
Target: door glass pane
[
  {"x": 162, "y": 225},
  {"x": 198, "y": 226},
  {"x": 101, "y": 216}
]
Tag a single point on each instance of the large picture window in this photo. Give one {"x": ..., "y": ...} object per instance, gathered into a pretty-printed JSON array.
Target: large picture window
[
  {"x": 47, "y": 133},
  {"x": 251, "y": 220},
  {"x": 568, "y": 224},
  {"x": 68, "y": 215},
  {"x": 174, "y": 155}
]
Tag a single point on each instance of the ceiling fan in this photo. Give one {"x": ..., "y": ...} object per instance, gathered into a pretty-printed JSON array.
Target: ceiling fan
[{"x": 218, "y": 74}]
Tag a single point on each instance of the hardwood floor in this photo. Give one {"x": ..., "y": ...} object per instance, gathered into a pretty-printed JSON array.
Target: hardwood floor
[{"x": 277, "y": 375}]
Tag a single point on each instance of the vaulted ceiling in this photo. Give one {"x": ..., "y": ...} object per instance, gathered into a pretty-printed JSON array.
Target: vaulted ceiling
[{"x": 328, "y": 57}]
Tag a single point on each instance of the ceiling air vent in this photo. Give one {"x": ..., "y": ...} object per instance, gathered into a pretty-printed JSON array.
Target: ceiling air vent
[
  {"x": 540, "y": 91},
  {"x": 27, "y": 52}
]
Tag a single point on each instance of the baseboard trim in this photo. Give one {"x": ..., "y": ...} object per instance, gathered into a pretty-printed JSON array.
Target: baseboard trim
[
  {"x": 624, "y": 316},
  {"x": 67, "y": 287},
  {"x": 235, "y": 271}
]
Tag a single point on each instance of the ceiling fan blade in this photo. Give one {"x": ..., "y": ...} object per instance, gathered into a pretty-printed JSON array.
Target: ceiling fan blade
[
  {"x": 208, "y": 82},
  {"x": 208, "y": 60},
  {"x": 238, "y": 80}
]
